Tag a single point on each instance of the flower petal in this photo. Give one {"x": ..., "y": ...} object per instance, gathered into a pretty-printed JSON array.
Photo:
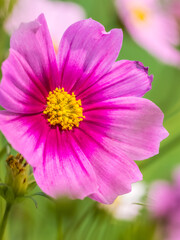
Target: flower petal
[
  {"x": 32, "y": 40},
  {"x": 63, "y": 13},
  {"x": 115, "y": 172},
  {"x": 20, "y": 90},
  {"x": 136, "y": 124},
  {"x": 65, "y": 169},
  {"x": 26, "y": 134},
  {"x": 86, "y": 53},
  {"x": 161, "y": 199},
  {"x": 126, "y": 78},
  {"x": 60, "y": 167}
]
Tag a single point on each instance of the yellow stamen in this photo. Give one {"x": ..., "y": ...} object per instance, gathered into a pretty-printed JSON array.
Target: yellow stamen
[
  {"x": 140, "y": 14},
  {"x": 63, "y": 109},
  {"x": 55, "y": 48}
]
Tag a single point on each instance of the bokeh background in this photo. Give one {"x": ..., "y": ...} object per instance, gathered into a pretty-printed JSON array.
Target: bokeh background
[{"x": 84, "y": 219}]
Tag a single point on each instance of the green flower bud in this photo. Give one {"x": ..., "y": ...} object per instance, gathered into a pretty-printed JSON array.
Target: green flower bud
[{"x": 18, "y": 175}]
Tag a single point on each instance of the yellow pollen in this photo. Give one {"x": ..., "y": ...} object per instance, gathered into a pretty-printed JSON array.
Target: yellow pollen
[
  {"x": 63, "y": 109},
  {"x": 140, "y": 14},
  {"x": 55, "y": 48}
]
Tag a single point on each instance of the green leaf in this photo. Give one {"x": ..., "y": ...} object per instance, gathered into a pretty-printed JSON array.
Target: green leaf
[
  {"x": 3, "y": 142},
  {"x": 31, "y": 186},
  {"x": 34, "y": 201},
  {"x": 42, "y": 195}
]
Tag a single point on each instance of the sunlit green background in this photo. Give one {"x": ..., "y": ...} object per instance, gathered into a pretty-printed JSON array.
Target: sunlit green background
[{"x": 82, "y": 219}]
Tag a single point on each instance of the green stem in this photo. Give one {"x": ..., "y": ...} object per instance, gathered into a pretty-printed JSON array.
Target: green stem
[
  {"x": 4, "y": 220},
  {"x": 60, "y": 231}
]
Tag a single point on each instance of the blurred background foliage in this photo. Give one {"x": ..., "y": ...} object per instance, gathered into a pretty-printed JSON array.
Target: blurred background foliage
[{"x": 83, "y": 219}]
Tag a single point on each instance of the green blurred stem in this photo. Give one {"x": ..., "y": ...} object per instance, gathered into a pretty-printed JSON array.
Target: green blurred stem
[
  {"x": 60, "y": 230},
  {"x": 4, "y": 220}
]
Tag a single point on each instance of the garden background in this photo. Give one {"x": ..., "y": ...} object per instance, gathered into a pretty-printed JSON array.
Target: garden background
[{"x": 84, "y": 219}]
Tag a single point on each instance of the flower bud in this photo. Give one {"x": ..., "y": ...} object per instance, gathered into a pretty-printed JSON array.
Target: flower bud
[{"x": 18, "y": 174}]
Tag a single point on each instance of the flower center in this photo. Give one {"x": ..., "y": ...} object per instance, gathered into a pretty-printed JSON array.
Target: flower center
[
  {"x": 63, "y": 109},
  {"x": 140, "y": 14}
]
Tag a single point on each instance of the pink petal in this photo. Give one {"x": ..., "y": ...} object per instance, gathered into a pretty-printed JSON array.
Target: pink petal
[
  {"x": 161, "y": 199},
  {"x": 65, "y": 169},
  {"x": 63, "y": 13},
  {"x": 126, "y": 78},
  {"x": 135, "y": 124},
  {"x": 59, "y": 15},
  {"x": 32, "y": 40},
  {"x": 173, "y": 232},
  {"x": 86, "y": 53},
  {"x": 61, "y": 168},
  {"x": 26, "y": 133},
  {"x": 20, "y": 90},
  {"x": 176, "y": 178},
  {"x": 115, "y": 172}
]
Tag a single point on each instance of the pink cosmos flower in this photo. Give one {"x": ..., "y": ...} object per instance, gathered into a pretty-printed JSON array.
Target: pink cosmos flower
[
  {"x": 174, "y": 9},
  {"x": 164, "y": 204},
  {"x": 79, "y": 120},
  {"x": 153, "y": 27},
  {"x": 59, "y": 15}
]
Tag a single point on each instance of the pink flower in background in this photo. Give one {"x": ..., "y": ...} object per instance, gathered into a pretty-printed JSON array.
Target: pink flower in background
[
  {"x": 164, "y": 204},
  {"x": 174, "y": 7},
  {"x": 79, "y": 120},
  {"x": 59, "y": 15},
  {"x": 153, "y": 27}
]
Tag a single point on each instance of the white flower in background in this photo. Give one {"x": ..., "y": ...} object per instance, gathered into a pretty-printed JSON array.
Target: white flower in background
[
  {"x": 125, "y": 207},
  {"x": 59, "y": 16}
]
